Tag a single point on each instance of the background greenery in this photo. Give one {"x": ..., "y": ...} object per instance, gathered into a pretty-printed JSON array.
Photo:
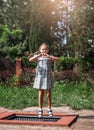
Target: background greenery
[
  {"x": 77, "y": 96},
  {"x": 68, "y": 27}
]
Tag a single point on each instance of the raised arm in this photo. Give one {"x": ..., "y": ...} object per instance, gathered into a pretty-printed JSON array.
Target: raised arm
[
  {"x": 34, "y": 58},
  {"x": 53, "y": 58}
]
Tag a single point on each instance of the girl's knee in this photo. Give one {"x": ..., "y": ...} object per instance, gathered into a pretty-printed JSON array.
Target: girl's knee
[
  {"x": 48, "y": 93},
  {"x": 41, "y": 93}
]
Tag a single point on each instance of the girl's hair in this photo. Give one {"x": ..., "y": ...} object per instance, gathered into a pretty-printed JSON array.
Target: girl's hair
[{"x": 43, "y": 44}]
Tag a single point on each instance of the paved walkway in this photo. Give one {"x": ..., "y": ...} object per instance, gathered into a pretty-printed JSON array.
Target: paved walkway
[{"x": 84, "y": 122}]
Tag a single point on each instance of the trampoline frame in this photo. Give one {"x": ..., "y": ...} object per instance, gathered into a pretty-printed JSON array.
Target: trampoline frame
[{"x": 65, "y": 119}]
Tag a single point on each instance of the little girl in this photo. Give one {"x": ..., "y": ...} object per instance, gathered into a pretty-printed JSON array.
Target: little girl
[{"x": 43, "y": 78}]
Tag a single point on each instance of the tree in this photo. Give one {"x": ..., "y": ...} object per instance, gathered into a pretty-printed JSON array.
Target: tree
[
  {"x": 16, "y": 14},
  {"x": 75, "y": 30},
  {"x": 41, "y": 23},
  {"x": 10, "y": 42},
  {"x": 1, "y": 11},
  {"x": 81, "y": 37}
]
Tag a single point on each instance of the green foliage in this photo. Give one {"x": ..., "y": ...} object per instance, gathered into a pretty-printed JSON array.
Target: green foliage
[
  {"x": 81, "y": 40},
  {"x": 19, "y": 81},
  {"x": 78, "y": 96},
  {"x": 15, "y": 14},
  {"x": 66, "y": 63},
  {"x": 41, "y": 22},
  {"x": 27, "y": 63},
  {"x": 13, "y": 97},
  {"x": 10, "y": 42},
  {"x": 3, "y": 31},
  {"x": 52, "y": 22},
  {"x": 69, "y": 76}
]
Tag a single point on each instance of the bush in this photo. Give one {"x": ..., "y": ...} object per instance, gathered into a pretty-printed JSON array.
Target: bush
[
  {"x": 66, "y": 63},
  {"x": 78, "y": 96},
  {"x": 11, "y": 42},
  {"x": 26, "y": 63},
  {"x": 68, "y": 76}
]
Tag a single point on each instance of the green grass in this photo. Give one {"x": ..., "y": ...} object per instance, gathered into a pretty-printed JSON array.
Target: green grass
[{"x": 78, "y": 96}]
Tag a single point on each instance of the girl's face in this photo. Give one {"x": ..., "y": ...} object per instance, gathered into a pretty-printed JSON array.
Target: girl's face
[{"x": 44, "y": 49}]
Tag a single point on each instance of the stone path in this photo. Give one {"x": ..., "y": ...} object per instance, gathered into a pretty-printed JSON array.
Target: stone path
[{"x": 84, "y": 122}]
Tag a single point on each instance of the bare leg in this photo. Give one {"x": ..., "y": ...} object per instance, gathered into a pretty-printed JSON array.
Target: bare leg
[
  {"x": 48, "y": 94},
  {"x": 41, "y": 94}
]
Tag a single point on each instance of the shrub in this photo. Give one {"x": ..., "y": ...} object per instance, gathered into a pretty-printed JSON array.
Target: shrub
[
  {"x": 68, "y": 76},
  {"x": 19, "y": 81},
  {"x": 12, "y": 43},
  {"x": 66, "y": 63},
  {"x": 26, "y": 63}
]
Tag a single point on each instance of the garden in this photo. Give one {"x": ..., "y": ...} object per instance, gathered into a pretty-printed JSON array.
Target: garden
[
  {"x": 68, "y": 28},
  {"x": 70, "y": 88}
]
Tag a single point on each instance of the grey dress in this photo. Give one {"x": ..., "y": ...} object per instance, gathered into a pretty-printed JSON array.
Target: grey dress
[{"x": 43, "y": 77}]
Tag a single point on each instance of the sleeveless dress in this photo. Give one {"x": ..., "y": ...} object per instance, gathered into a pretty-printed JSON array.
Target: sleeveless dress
[{"x": 43, "y": 77}]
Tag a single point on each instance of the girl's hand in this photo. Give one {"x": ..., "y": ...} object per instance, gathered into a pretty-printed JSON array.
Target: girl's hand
[
  {"x": 39, "y": 55},
  {"x": 44, "y": 54},
  {"x": 34, "y": 58}
]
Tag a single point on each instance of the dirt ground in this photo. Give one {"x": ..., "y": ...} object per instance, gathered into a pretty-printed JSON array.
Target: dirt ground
[{"x": 85, "y": 120}]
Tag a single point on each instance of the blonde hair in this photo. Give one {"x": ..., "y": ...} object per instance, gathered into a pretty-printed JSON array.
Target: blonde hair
[{"x": 43, "y": 44}]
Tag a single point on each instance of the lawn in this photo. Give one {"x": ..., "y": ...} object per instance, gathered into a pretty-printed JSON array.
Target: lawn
[{"x": 78, "y": 96}]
